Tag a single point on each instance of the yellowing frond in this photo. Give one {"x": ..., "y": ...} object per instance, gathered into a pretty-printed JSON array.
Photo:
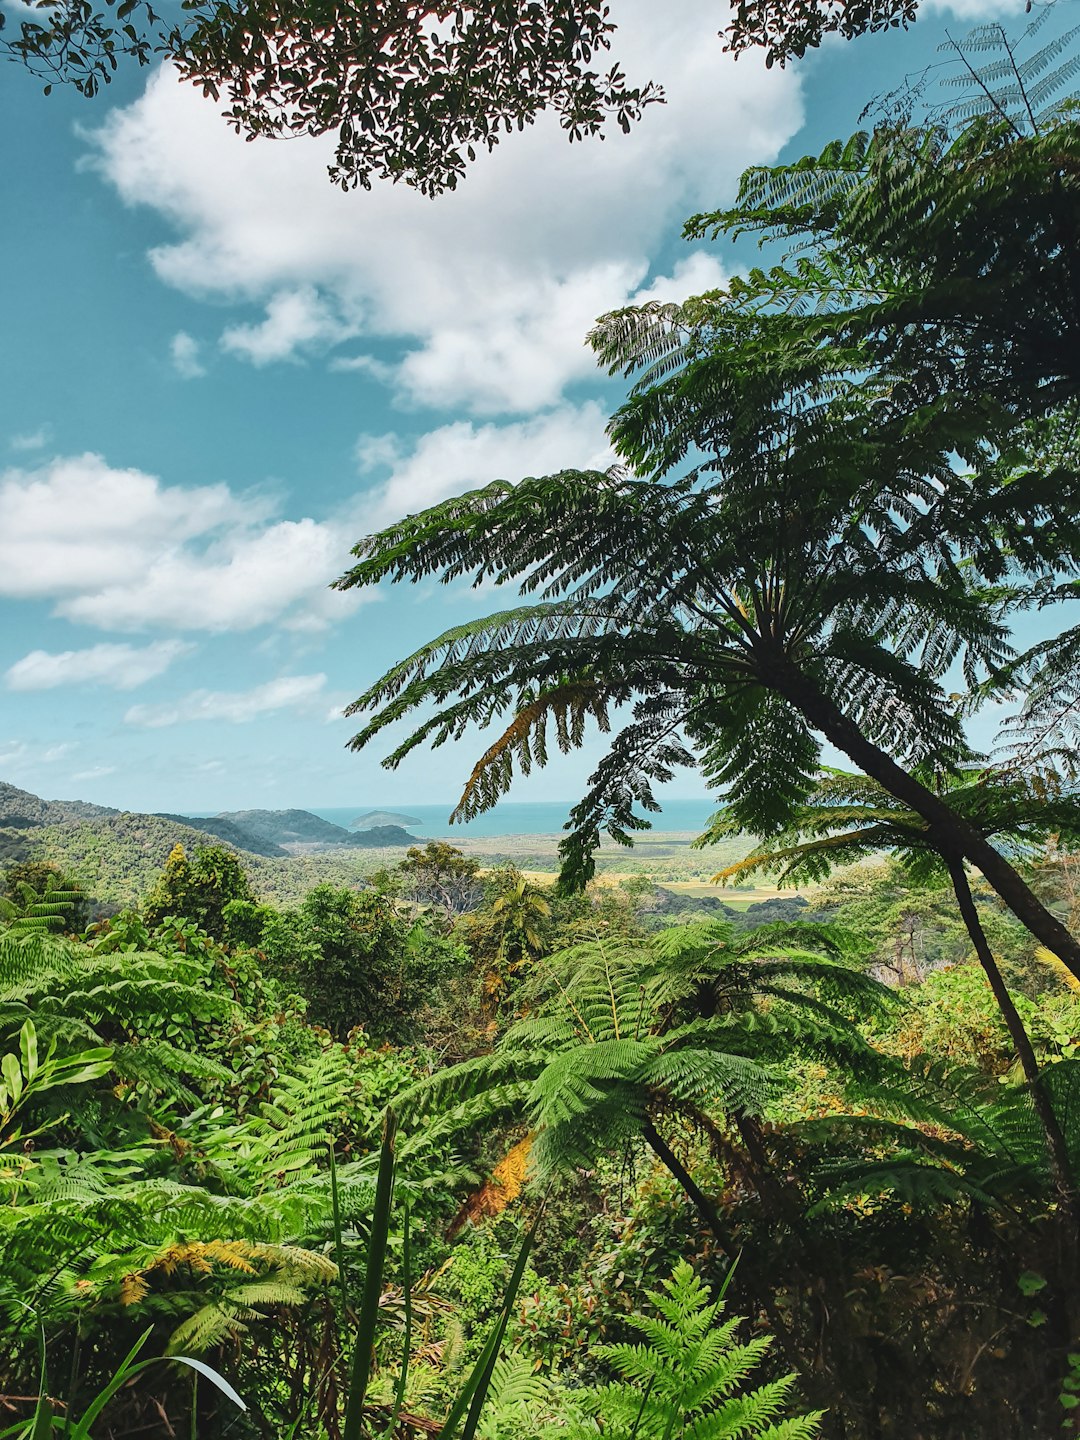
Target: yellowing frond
[
  {"x": 1050, "y": 960},
  {"x": 502, "y": 1189}
]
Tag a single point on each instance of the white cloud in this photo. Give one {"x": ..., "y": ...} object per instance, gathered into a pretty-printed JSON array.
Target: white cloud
[
  {"x": 96, "y": 772},
  {"x": 120, "y": 550},
  {"x": 13, "y": 752},
  {"x": 59, "y": 752},
  {"x": 480, "y": 299},
  {"x": 246, "y": 580},
  {"x": 977, "y": 9},
  {"x": 121, "y": 667},
  {"x": 694, "y": 275},
  {"x": 32, "y": 439},
  {"x": 463, "y": 456},
  {"x": 184, "y": 350},
  {"x": 296, "y": 321},
  {"x": 236, "y": 706}
]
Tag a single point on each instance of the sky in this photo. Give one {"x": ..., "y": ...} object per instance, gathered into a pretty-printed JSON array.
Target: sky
[{"x": 217, "y": 372}]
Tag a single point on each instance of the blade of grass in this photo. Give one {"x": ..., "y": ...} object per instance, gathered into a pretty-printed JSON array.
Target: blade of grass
[
  {"x": 339, "y": 1248},
  {"x": 373, "y": 1277},
  {"x": 42, "y": 1426},
  {"x": 406, "y": 1268},
  {"x": 642, "y": 1408},
  {"x": 81, "y": 1430},
  {"x": 475, "y": 1392}
]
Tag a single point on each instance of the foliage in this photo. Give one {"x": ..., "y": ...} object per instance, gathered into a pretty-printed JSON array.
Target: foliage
[
  {"x": 412, "y": 91},
  {"x": 198, "y": 889},
  {"x": 786, "y": 29},
  {"x": 619, "y": 1035},
  {"x": 849, "y": 818},
  {"x": 43, "y": 1424},
  {"x": 438, "y": 874},
  {"x": 508, "y": 933},
  {"x": 26, "y": 1074},
  {"x": 800, "y": 580},
  {"x": 684, "y": 1379},
  {"x": 356, "y": 961},
  {"x": 38, "y": 895}
]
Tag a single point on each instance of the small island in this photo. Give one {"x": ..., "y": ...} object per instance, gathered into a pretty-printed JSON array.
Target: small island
[{"x": 376, "y": 819}]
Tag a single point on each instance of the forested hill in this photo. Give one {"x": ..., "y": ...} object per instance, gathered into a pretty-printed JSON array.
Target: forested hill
[
  {"x": 299, "y": 830},
  {"x": 116, "y": 854},
  {"x": 19, "y": 809}
]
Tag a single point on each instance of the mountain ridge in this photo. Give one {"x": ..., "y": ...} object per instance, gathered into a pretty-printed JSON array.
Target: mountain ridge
[{"x": 115, "y": 854}]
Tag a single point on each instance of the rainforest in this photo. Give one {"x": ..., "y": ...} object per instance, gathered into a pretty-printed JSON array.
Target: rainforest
[{"x": 768, "y": 1130}]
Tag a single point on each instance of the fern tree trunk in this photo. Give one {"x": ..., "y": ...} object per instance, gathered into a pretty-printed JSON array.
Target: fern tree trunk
[
  {"x": 711, "y": 1216},
  {"x": 1057, "y": 1149},
  {"x": 950, "y": 832}
]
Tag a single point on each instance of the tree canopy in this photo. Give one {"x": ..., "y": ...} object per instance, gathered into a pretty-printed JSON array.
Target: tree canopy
[
  {"x": 411, "y": 90},
  {"x": 829, "y": 507}
]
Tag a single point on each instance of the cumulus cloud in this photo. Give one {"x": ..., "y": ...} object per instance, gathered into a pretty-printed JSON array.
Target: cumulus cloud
[
  {"x": 120, "y": 667},
  {"x": 288, "y": 692},
  {"x": 296, "y": 321},
  {"x": 695, "y": 275},
  {"x": 119, "y": 549},
  {"x": 464, "y": 455},
  {"x": 480, "y": 300},
  {"x": 184, "y": 351}
]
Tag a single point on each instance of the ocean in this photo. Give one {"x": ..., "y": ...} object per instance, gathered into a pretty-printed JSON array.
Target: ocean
[{"x": 521, "y": 817}]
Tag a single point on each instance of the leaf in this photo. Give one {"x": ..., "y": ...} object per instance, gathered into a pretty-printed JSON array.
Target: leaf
[
  {"x": 210, "y": 1374},
  {"x": 12, "y": 1073},
  {"x": 364, "y": 1345},
  {"x": 28, "y": 1049}
]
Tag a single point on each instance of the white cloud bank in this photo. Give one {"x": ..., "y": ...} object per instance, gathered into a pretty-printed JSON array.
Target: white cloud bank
[
  {"x": 120, "y": 550},
  {"x": 288, "y": 692},
  {"x": 121, "y": 667},
  {"x": 482, "y": 297}
]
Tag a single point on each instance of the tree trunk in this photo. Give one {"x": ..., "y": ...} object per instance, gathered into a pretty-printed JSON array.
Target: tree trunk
[
  {"x": 951, "y": 833},
  {"x": 701, "y": 1202},
  {"x": 711, "y": 1216},
  {"x": 1058, "y": 1152}
]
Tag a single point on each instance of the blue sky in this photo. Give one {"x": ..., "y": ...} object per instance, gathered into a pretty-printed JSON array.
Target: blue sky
[{"x": 217, "y": 372}]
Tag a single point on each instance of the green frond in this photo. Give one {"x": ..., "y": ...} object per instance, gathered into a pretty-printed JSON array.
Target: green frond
[{"x": 688, "y": 1377}]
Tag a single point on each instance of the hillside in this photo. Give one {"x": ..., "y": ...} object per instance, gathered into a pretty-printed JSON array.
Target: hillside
[
  {"x": 222, "y": 829},
  {"x": 298, "y": 831},
  {"x": 116, "y": 854},
  {"x": 19, "y": 808}
]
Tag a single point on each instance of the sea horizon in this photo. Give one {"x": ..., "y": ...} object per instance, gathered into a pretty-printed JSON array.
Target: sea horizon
[{"x": 512, "y": 817}]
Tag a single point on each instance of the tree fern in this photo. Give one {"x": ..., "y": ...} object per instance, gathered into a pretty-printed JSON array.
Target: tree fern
[
  {"x": 801, "y": 581},
  {"x": 622, "y": 1037}
]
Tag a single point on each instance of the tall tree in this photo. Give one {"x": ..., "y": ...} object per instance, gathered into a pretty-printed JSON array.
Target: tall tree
[
  {"x": 795, "y": 571},
  {"x": 198, "y": 889},
  {"x": 809, "y": 590}
]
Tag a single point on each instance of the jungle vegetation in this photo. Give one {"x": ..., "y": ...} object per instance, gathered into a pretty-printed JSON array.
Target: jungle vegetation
[{"x": 452, "y": 1152}]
